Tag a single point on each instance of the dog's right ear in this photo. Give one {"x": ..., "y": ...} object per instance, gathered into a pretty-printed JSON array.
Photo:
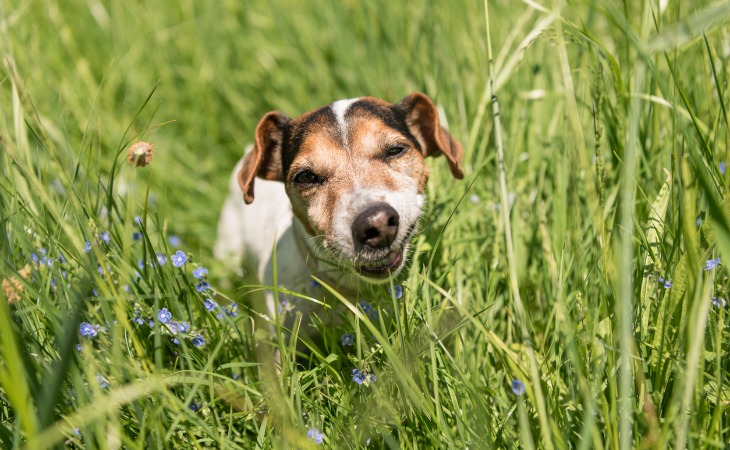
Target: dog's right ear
[{"x": 264, "y": 160}]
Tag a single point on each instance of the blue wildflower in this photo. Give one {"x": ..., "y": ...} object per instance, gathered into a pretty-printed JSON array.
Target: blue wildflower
[
  {"x": 174, "y": 240},
  {"x": 518, "y": 387},
  {"x": 314, "y": 284},
  {"x": 105, "y": 236},
  {"x": 87, "y": 329},
  {"x": 183, "y": 327},
  {"x": 210, "y": 305},
  {"x": 358, "y": 377},
  {"x": 721, "y": 166},
  {"x": 198, "y": 341},
  {"x": 164, "y": 315},
  {"x": 87, "y": 247},
  {"x": 372, "y": 378},
  {"x": 202, "y": 286},
  {"x": 176, "y": 341},
  {"x": 232, "y": 310},
  {"x": 348, "y": 339},
  {"x": 365, "y": 307},
  {"x": 200, "y": 272},
  {"x": 719, "y": 302},
  {"x": 103, "y": 382},
  {"x": 77, "y": 432},
  {"x": 34, "y": 257},
  {"x": 234, "y": 375},
  {"x": 397, "y": 291},
  {"x": 179, "y": 258},
  {"x": 161, "y": 259},
  {"x": 78, "y": 347},
  {"x": 139, "y": 320},
  {"x": 136, "y": 236},
  {"x": 315, "y": 435},
  {"x": 194, "y": 407},
  {"x": 712, "y": 263},
  {"x": 138, "y": 220}
]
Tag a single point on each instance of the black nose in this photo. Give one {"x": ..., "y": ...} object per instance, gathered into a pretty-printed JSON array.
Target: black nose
[{"x": 377, "y": 226}]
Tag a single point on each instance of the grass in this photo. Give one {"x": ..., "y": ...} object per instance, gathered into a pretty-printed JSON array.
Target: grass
[{"x": 608, "y": 154}]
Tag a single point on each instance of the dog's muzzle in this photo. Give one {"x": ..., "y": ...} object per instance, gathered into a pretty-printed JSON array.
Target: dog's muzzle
[{"x": 374, "y": 232}]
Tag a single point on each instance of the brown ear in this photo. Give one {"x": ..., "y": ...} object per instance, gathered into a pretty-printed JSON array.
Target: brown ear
[
  {"x": 422, "y": 119},
  {"x": 264, "y": 160}
]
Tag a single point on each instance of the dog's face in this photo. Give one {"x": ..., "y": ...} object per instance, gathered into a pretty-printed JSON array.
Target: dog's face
[{"x": 355, "y": 174}]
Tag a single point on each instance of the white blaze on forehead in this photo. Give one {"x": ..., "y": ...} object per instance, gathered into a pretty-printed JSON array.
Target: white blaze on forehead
[{"x": 340, "y": 108}]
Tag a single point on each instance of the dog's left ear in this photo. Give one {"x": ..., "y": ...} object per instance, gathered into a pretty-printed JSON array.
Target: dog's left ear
[
  {"x": 422, "y": 119},
  {"x": 264, "y": 160}
]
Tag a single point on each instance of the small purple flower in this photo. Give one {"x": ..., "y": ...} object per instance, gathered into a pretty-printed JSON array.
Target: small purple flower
[
  {"x": 103, "y": 382},
  {"x": 348, "y": 339},
  {"x": 667, "y": 284},
  {"x": 397, "y": 291},
  {"x": 100, "y": 269},
  {"x": 105, "y": 236},
  {"x": 518, "y": 387},
  {"x": 202, "y": 286},
  {"x": 719, "y": 302},
  {"x": 721, "y": 166},
  {"x": 712, "y": 263},
  {"x": 198, "y": 341},
  {"x": 179, "y": 258},
  {"x": 372, "y": 378},
  {"x": 200, "y": 272},
  {"x": 78, "y": 347},
  {"x": 164, "y": 315},
  {"x": 77, "y": 432},
  {"x": 315, "y": 435},
  {"x": 87, "y": 329},
  {"x": 138, "y": 220},
  {"x": 139, "y": 320},
  {"x": 699, "y": 221},
  {"x": 87, "y": 247},
  {"x": 136, "y": 236},
  {"x": 234, "y": 375},
  {"x": 232, "y": 310},
  {"x": 161, "y": 259},
  {"x": 183, "y": 327},
  {"x": 210, "y": 305},
  {"x": 176, "y": 341},
  {"x": 174, "y": 240}
]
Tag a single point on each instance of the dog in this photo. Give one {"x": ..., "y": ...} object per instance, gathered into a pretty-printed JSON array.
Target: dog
[{"x": 338, "y": 194}]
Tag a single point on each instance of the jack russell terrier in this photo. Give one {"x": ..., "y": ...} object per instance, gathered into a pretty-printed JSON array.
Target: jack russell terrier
[{"x": 339, "y": 194}]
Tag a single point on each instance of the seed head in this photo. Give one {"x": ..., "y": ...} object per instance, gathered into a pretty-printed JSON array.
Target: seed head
[{"x": 140, "y": 154}]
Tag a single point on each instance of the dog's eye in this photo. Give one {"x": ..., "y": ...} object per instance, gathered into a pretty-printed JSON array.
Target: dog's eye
[
  {"x": 394, "y": 151},
  {"x": 306, "y": 177}
]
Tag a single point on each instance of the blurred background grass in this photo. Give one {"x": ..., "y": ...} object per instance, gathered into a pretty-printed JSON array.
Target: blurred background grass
[{"x": 81, "y": 79}]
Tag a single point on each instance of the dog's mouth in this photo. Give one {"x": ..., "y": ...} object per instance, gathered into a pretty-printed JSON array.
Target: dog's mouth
[{"x": 383, "y": 267}]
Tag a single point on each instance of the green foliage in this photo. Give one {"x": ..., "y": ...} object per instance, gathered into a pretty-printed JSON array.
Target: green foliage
[{"x": 594, "y": 293}]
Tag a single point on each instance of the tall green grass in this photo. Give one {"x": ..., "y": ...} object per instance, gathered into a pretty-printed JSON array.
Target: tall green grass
[{"x": 572, "y": 259}]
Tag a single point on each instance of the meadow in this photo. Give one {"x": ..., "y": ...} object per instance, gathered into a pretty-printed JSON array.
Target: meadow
[{"x": 570, "y": 292}]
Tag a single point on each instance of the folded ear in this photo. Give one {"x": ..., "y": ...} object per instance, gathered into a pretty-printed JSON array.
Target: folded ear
[
  {"x": 264, "y": 160},
  {"x": 422, "y": 119}
]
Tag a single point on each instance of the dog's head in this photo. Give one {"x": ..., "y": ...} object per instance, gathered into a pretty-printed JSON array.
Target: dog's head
[{"x": 355, "y": 174}]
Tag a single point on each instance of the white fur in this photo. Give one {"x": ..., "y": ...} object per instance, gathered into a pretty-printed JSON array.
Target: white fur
[{"x": 340, "y": 108}]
